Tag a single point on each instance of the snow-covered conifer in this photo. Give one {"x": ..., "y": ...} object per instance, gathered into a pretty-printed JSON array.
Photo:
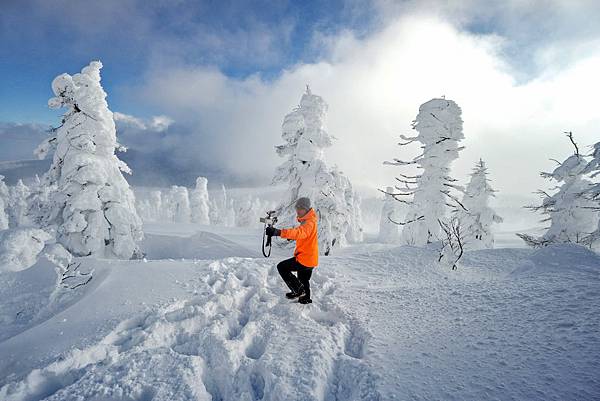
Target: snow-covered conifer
[
  {"x": 18, "y": 204},
  {"x": 355, "y": 229},
  {"x": 91, "y": 204},
  {"x": 230, "y": 215},
  {"x": 245, "y": 212},
  {"x": 388, "y": 228},
  {"x": 571, "y": 214},
  {"x": 439, "y": 127},
  {"x": 593, "y": 193},
  {"x": 144, "y": 209},
  {"x": 199, "y": 203},
  {"x": 477, "y": 219},
  {"x": 156, "y": 204},
  {"x": 307, "y": 174},
  {"x": 178, "y": 204},
  {"x": 4, "y": 194}
]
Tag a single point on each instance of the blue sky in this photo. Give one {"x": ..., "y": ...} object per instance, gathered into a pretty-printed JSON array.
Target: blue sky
[
  {"x": 41, "y": 39},
  {"x": 224, "y": 74}
]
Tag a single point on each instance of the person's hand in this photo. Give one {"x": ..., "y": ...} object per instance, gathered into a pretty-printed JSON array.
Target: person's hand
[{"x": 273, "y": 232}]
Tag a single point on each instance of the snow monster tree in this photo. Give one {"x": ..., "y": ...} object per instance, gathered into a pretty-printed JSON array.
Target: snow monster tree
[
  {"x": 478, "y": 217},
  {"x": 199, "y": 203},
  {"x": 388, "y": 228},
  {"x": 571, "y": 214},
  {"x": 593, "y": 193},
  {"x": 307, "y": 174},
  {"x": 90, "y": 204},
  {"x": 439, "y": 125}
]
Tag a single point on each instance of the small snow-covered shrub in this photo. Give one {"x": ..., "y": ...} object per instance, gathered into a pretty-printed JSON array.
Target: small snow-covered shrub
[
  {"x": 452, "y": 242},
  {"x": 20, "y": 247},
  {"x": 69, "y": 273}
]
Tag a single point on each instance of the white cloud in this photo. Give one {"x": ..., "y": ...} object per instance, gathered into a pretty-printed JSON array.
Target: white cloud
[
  {"x": 154, "y": 124},
  {"x": 374, "y": 88}
]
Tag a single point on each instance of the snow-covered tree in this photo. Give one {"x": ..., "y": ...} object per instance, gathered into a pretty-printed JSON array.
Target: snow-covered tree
[
  {"x": 229, "y": 220},
  {"x": 439, "y": 127},
  {"x": 3, "y": 204},
  {"x": 199, "y": 203},
  {"x": 477, "y": 219},
  {"x": 156, "y": 204},
  {"x": 248, "y": 211},
  {"x": 18, "y": 204},
  {"x": 388, "y": 228},
  {"x": 355, "y": 232},
  {"x": 593, "y": 193},
  {"x": 307, "y": 174},
  {"x": 143, "y": 209},
  {"x": 571, "y": 214},
  {"x": 221, "y": 209},
  {"x": 178, "y": 204},
  {"x": 20, "y": 247},
  {"x": 90, "y": 205}
]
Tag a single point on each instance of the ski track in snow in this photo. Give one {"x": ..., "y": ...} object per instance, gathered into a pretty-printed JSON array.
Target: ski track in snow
[{"x": 236, "y": 338}]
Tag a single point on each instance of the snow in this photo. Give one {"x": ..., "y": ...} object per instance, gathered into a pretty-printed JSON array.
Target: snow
[
  {"x": 386, "y": 323},
  {"x": 19, "y": 247}
]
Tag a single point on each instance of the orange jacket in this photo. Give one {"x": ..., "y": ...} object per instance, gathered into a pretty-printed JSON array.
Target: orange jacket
[{"x": 307, "y": 244}]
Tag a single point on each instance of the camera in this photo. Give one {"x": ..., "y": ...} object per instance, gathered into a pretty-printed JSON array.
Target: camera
[
  {"x": 267, "y": 220},
  {"x": 270, "y": 219}
]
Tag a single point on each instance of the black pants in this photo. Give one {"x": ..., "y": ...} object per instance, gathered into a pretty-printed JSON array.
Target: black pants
[{"x": 286, "y": 267}]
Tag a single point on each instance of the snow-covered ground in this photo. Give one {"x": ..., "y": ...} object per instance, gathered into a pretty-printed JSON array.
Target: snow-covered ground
[{"x": 204, "y": 317}]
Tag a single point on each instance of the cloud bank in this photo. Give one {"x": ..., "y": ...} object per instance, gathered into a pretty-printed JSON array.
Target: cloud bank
[{"x": 374, "y": 87}]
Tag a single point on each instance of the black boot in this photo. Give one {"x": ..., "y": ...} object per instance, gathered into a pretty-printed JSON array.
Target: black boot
[
  {"x": 305, "y": 299},
  {"x": 295, "y": 294}
]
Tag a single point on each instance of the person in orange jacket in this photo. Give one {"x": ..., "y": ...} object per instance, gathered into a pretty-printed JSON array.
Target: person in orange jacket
[{"x": 306, "y": 254}]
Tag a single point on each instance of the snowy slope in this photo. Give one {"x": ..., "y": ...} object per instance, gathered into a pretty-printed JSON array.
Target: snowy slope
[{"x": 386, "y": 323}]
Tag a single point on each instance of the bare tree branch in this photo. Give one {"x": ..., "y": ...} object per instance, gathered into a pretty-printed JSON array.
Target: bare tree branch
[
  {"x": 406, "y": 222},
  {"x": 570, "y": 136}
]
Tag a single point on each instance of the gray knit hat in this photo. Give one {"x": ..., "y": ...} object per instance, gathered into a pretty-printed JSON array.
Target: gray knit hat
[{"x": 303, "y": 203}]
